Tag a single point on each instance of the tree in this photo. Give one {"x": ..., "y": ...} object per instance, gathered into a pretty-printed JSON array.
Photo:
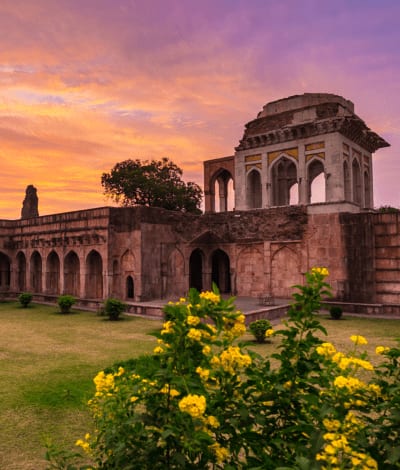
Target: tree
[{"x": 155, "y": 183}]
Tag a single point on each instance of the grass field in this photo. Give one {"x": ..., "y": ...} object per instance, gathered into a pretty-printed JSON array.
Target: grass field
[{"x": 48, "y": 361}]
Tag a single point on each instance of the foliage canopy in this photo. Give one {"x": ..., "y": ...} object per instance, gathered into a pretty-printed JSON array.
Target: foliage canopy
[{"x": 155, "y": 183}]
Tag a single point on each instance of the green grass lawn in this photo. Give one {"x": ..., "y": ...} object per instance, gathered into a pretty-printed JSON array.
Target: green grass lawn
[{"x": 48, "y": 361}]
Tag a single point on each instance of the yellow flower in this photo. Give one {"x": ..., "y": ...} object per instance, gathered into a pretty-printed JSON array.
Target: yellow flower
[
  {"x": 215, "y": 361},
  {"x": 322, "y": 271},
  {"x": 270, "y": 332},
  {"x": 203, "y": 373},
  {"x": 194, "y": 334},
  {"x": 214, "y": 298},
  {"x": 194, "y": 405},
  {"x": 232, "y": 359},
  {"x": 167, "y": 327},
  {"x": 133, "y": 399},
  {"x": 331, "y": 424},
  {"x": 192, "y": 320},
  {"x": 221, "y": 453},
  {"x": 172, "y": 392},
  {"x": 104, "y": 383},
  {"x": 213, "y": 421},
  {"x": 326, "y": 349},
  {"x": 158, "y": 350},
  {"x": 206, "y": 350},
  {"x": 381, "y": 349},
  {"x": 84, "y": 445},
  {"x": 357, "y": 339}
]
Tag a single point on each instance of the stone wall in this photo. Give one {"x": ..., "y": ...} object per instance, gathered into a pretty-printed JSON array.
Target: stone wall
[
  {"x": 387, "y": 257},
  {"x": 359, "y": 242}
]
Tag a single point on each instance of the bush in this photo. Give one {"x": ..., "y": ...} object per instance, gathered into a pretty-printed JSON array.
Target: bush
[
  {"x": 25, "y": 299},
  {"x": 259, "y": 328},
  {"x": 335, "y": 312},
  {"x": 113, "y": 308},
  {"x": 65, "y": 302},
  {"x": 213, "y": 404}
]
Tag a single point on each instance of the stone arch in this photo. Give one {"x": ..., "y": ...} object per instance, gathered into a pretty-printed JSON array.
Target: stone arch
[
  {"x": 253, "y": 189},
  {"x": 283, "y": 177},
  {"x": 221, "y": 271},
  {"x": 5, "y": 272},
  {"x": 176, "y": 285},
  {"x": 21, "y": 271},
  {"x": 250, "y": 272},
  {"x": 130, "y": 288},
  {"x": 367, "y": 190},
  {"x": 72, "y": 274},
  {"x": 285, "y": 272},
  {"x": 196, "y": 262},
  {"x": 356, "y": 178},
  {"x": 347, "y": 182},
  {"x": 36, "y": 272},
  {"x": 53, "y": 273},
  {"x": 315, "y": 178},
  {"x": 94, "y": 276},
  {"x": 222, "y": 192}
]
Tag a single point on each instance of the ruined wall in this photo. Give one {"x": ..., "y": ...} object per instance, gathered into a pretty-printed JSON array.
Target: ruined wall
[{"x": 387, "y": 257}]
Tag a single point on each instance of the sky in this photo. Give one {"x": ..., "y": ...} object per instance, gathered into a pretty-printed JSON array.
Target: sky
[{"x": 85, "y": 84}]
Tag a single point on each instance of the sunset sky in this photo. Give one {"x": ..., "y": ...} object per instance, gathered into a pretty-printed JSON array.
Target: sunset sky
[{"x": 85, "y": 84}]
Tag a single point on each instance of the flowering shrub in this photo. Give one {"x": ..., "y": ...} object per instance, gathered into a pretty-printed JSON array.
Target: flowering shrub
[{"x": 209, "y": 403}]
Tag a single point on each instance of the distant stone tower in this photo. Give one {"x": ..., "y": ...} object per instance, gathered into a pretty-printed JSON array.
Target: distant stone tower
[{"x": 30, "y": 204}]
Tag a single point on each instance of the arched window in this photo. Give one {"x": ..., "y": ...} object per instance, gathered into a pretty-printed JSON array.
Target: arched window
[
  {"x": 356, "y": 173},
  {"x": 284, "y": 176},
  {"x": 196, "y": 270},
  {"x": 223, "y": 191},
  {"x": 316, "y": 182},
  {"x": 130, "y": 289},
  {"x": 367, "y": 190},
  {"x": 254, "y": 195},
  {"x": 347, "y": 182}
]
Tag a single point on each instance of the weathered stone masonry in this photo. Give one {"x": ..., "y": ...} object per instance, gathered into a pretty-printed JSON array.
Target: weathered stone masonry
[{"x": 263, "y": 247}]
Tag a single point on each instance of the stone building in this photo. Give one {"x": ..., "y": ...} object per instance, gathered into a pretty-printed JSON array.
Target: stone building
[{"x": 264, "y": 246}]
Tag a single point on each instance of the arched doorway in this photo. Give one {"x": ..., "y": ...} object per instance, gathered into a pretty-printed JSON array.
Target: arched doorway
[
  {"x": 53, "y": 273},
  {"x": 36, "y": 272},
  {"x": 220, "y": 274},
  {"x": 21, "y": 272},
  {"x": 72, "y": 274},
  {"x": 94, "y": 276},
  {"x": 196, "y": 269},
  {"x": 130, "y": 288},
  {"x": 5, "y": 272},
  {"x": 284, "y": 176},
  {"x": 253, "y": 188}
]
